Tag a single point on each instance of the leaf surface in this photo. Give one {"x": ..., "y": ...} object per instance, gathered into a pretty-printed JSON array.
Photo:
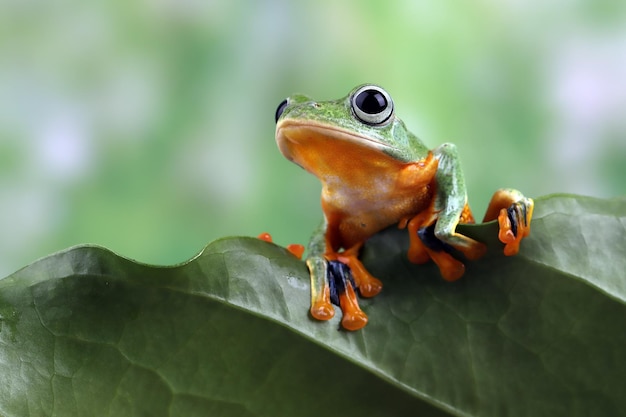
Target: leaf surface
[{"x": 87, "y": 332}]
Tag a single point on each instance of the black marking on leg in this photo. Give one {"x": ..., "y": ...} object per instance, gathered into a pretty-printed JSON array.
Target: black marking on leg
[
  {"x": 428, "y": 238},
  {"x": 524, "y": 210},
  {"x": 339, "y": 275},
  {"x": 513, "y": 214}
]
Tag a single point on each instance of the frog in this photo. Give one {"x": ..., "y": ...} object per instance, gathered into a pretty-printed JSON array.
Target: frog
[{"x": 375, "y": 174}]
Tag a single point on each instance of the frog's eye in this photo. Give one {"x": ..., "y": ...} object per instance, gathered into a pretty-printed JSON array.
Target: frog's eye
[
  {"x": 372, "y": 105},
  {"x": 281, "y": 108}
]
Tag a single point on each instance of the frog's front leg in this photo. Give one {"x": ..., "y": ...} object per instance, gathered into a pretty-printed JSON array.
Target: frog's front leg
[
  {"x": 334, "y": 277},
  {"x": 433, "y": 231}
]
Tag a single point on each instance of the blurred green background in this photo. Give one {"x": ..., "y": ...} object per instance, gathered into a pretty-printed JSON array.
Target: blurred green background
[{"x": 147, "y": 126}]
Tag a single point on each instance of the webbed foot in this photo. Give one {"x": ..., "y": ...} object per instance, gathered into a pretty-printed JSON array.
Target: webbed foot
[
  {"x": 514, "y": 212},
  {"x": 335, "y": 281},
  {"x": 368, "y": 285},
  {"x": 342, "y": 293},
  {"x": 429, "y": 240}
]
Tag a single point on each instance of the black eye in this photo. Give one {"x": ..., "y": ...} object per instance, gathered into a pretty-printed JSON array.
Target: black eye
[
  {"x": 372, "y": 105},
  {"x": 281, "y": 109}
]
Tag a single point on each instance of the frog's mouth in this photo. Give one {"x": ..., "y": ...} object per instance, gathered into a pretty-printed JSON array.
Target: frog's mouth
[{"x": 296, "y": 137}]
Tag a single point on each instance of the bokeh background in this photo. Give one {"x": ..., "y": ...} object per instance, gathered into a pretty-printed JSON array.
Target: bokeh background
[{"x": 147, "y": 126}]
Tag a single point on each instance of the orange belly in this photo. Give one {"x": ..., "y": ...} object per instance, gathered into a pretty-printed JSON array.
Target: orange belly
[{"x": 353, "y": 220}]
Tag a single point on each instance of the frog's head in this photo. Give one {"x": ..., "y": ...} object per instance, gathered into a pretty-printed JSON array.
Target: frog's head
[{"x": 361, "y": 125}]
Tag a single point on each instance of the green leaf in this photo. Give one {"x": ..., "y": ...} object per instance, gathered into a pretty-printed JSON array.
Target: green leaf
[{"x": 87, "y": 332}]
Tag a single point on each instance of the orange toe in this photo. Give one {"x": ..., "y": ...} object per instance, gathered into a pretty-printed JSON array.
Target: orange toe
[
  {"x": 354, "y": 321},
  {"x": 368, "y": 285},
  {"x": 506, "y": 234},
  {"x": 265, "y": 237},
  {"x": 296, "y": 250},
  {"x": 353, "y": 317},
  {"x": 451, "y": 269},
  {"x": 322, "y": 310}
]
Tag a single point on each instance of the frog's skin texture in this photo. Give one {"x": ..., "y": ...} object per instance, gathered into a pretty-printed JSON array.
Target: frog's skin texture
[{"x": 375, "y": 173}]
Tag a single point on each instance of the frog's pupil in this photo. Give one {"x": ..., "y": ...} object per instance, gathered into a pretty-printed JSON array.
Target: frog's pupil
[
  {"x": 281, "y": 109},
  {"x": 371, "y": 101}
]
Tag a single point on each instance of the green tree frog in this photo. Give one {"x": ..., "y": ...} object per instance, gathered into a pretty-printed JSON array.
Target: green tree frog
[{"x": 374, "y": 174}]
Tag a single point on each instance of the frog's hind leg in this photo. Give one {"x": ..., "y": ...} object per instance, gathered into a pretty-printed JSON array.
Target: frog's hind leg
[{"x": 514, "y": 212}]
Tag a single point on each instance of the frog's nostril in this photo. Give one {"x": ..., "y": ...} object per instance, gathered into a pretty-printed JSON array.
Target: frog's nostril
[{"x": 281, "y": 109}]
